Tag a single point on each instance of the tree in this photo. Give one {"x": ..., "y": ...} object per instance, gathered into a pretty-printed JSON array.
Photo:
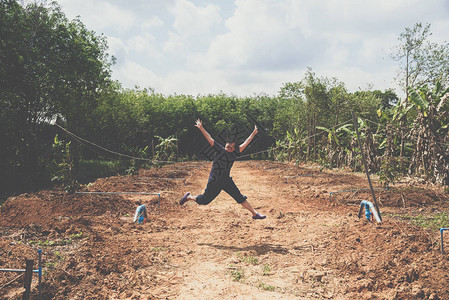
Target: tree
[
  {"x": 421, "y": 61},
  {"x": 49, "y": 66},
  {"x": 25, "y": 91},
  {"x": 290, "y": 110},
  {"x": 388, "y": 98},
  {"x": 83, "y": 73}
]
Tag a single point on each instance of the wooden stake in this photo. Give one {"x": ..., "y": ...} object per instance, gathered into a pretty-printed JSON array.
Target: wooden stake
[
  {"x": 28, "y": 277},
  {"x": 364, "y": 163}
]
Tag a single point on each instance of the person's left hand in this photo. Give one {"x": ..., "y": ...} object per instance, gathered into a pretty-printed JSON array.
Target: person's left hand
[{"x": 199, "y": 124}]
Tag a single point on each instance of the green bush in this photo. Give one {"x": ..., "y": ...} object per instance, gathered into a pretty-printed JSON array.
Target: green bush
[{"x": 93, "y": 169}]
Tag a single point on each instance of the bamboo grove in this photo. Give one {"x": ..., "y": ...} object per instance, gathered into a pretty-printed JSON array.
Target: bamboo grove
[{"x": 54, "y": 70}]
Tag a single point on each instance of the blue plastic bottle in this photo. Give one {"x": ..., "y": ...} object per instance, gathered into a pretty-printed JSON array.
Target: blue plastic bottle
[{"x": 367, "y": 212}]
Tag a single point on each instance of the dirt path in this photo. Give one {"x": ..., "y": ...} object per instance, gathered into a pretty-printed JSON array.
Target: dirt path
[
  {"x": 308, "y": 247},
  {"x": 232, "y": 256}
]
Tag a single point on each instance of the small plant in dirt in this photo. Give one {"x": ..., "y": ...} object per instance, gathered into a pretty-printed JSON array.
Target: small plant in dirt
[
  {"x": 43, "y": 243},
  {"x": 266, "y": 287},
  {"x": 62, "y": 242},
  {"x": 250, "y": 260},
  {"x": 435, "y": 222},
  {"x": 237, "y": 273},
  {"x": 51, "y": 264},
  {"x": 158, "y": 249},
  {"x": 57, "y": 255},
  {"x": 266, "y": 270},
  {"x": 75, "y": 236},
  {"x": 78, "y": 235}
]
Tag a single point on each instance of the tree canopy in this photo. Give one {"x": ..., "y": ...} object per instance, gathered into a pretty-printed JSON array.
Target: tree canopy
[{"x": 56, "y": 70}]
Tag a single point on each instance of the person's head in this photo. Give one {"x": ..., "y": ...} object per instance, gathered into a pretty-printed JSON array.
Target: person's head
[{"x": 230, "y": 144}]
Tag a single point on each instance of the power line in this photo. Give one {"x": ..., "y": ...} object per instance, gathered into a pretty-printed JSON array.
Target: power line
[
  {"x": 84, "y": 142},
  {"x": 303, "y": 139},
  {"x": 81, "y": 140}
]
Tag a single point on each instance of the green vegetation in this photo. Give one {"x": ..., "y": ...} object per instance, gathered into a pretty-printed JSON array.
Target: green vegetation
[
  {"x": 266, "y": 287},
  {"x": 158, "y": 249},
  {"x": 431, "y": 222},
  {"x": 266, "y": 270},
  {"x": 92, "y": 169},
  {"x": 237, "y": 273},
  {"x": 434, "y": 222},
  {"x": 249, "y": 259},
  {"x": 62, "y": 242},
  {"x": 57, "y": 70}
]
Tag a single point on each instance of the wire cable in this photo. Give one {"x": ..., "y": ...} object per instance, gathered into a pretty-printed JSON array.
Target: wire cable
[
  {"x": 302, "y": 139},
  {"x": 80, "y": 140},
  {"x": 85, "y": 142}
]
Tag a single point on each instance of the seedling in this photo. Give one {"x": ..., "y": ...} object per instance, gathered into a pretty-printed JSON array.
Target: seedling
[
  {"x": 251, "y": 260},
  {"x": 266, "y": 270},
  {"x": 266, "y": 287},
  {"x": 237, "y": 273}
]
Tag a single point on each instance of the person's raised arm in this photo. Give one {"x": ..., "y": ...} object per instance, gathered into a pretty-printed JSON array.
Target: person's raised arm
[
  {"x": 248, "y": 140},
  {"x": 206, "y": 134}
]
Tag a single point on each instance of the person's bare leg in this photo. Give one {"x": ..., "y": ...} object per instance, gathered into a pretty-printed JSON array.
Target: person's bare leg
[
  {"x": 256, "y": 215},
  {"x": 248, "y": 206}
]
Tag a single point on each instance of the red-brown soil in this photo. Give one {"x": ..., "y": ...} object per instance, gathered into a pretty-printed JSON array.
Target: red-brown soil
[{"x": 310, "y": 246}]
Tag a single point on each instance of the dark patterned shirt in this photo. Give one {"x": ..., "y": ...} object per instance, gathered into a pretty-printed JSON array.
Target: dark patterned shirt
[{"x": 223, "y": 161}]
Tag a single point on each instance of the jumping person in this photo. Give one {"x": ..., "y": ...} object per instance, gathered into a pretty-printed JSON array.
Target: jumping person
[{"x": 219, "y": 177}]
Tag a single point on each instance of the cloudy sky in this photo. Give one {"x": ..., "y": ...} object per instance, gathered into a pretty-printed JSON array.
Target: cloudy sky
[{"x": 252, "y": 47}]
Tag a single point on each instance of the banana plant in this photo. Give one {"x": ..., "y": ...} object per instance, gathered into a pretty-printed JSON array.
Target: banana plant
[
  {"x": 424, "y": 100},
  {"x": 401, "y": 109},
  {"x": 334, "y": 134},
  {"x": 338, "y": 145},
  {"x": 430, "y": 156}
]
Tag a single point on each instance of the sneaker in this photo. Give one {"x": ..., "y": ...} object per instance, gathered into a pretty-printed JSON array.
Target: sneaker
[
  {"x": 259, "y": 217},
  {"x": 184, "y": 199}
]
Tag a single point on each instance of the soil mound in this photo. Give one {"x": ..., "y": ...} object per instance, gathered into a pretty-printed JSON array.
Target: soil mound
[{"x": 312, "y": 245}]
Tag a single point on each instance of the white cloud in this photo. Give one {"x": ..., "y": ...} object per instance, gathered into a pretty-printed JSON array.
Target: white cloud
[
  {"x": 133, "y": 74},
  {"x": 194, "y": 20},
  {"x": 99, "y": 15},
  {"x": 152, "y": 23},
  {"x": 143, "y": 44},
  {"x": 261, "y": 49},
  {"x": 192, "y": 27},
  {"x": 246, "y": 47},
  {"x": 174, "y": 44}
]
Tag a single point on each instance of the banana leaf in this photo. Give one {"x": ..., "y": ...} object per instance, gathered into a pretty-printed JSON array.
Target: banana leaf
[{"x": 418, "y": 100}]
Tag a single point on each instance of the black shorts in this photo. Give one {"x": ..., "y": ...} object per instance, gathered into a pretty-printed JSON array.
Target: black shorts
[{"x": 215, "y": 186}]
